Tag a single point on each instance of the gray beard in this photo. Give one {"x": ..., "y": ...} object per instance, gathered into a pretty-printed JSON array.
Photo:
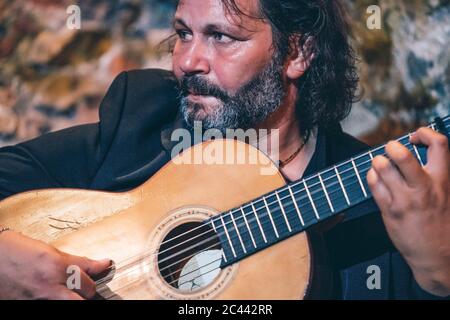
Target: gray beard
[{"x": 251, "y": 104}]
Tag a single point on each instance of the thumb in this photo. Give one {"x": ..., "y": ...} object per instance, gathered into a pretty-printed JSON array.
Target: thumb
[{"x": 90, "y": 266}]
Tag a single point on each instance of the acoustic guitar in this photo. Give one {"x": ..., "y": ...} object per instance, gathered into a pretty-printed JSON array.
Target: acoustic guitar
[{"x": 201, "y": 231}]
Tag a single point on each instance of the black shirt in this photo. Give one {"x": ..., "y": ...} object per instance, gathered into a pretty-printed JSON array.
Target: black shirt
[{"x": 132, "y": 141}]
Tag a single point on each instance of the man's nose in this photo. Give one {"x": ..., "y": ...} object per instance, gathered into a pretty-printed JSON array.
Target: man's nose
[{"x": 195, "y": 60}]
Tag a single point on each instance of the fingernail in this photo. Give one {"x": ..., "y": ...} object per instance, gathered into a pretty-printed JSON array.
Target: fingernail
[{"x": 106, "y": 261}]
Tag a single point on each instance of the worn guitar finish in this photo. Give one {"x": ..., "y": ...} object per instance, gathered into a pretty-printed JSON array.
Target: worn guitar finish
[{"x": 201, "y": 231}]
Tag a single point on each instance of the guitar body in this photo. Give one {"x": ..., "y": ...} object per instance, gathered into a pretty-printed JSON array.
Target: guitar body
[{"x": 129, "y": 228}]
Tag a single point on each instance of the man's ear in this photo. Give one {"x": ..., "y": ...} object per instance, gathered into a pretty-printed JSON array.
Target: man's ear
[{"x": 300, "y": 58}]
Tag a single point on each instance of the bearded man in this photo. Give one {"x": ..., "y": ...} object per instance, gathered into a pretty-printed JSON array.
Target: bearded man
[{"x": 261, "y": 64}]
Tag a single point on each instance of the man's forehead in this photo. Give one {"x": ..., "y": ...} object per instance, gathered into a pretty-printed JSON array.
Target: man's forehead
[{"x": 215, "y": 12}]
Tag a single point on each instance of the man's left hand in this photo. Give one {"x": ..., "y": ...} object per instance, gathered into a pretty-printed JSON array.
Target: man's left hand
[{"x": 415, "y": 205}]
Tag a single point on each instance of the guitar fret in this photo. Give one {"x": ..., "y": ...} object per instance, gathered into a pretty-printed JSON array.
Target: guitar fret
[
  {"x": 311, "y": 200},
  {"x": 326, "y": 193},
  {"x": 370, "y": 155},
  {"x": 215, "y": 230},
  {"x": 342, "y": 185},
  {"x": 248, "y": 227},
  {"x": 237, "y": 231},
  {"x": 228, "y": 236},
  {"x": 259, "y": 223},
  {"x": 416, "y": 151},
  {"x": 295, "y": 205},
  {"x": 271, "y": 219},
  {"x": 359, "y": 178},
  {"x": 284, "y": 213}
]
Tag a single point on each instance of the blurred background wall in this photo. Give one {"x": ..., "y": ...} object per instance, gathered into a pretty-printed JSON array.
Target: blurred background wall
[{"x": 52, "y": 77}]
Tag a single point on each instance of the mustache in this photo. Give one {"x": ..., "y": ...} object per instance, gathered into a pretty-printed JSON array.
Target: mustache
[{"x": 201, "y": 86}]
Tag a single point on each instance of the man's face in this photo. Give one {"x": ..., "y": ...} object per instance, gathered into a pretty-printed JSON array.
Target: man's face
[{"x": 229, "y": 74}]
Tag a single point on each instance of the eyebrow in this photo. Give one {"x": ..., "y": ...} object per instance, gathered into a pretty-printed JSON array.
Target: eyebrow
[
  {"x": 211, "y": 27},
  {"x": 179, "y": 21}
]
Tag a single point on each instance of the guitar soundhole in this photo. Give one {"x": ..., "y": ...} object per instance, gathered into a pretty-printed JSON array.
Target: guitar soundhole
[{"x": 189, "y": 257}]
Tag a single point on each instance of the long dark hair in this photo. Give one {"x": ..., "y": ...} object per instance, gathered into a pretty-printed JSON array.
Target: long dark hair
[{"x": 328, "y": 87}]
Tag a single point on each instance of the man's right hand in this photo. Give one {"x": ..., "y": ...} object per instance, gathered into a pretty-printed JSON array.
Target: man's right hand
[{"x": 31, "y": 269}]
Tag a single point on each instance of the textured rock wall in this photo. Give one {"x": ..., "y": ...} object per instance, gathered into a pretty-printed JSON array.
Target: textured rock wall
[
  {"x": 405, "y": 67},
  {"x": 52, "y": 77}
]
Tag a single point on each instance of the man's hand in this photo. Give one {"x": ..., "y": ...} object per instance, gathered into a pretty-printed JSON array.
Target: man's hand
[
  {"x": 31, "y": 269},
  {"x": 415, "y": 205}
]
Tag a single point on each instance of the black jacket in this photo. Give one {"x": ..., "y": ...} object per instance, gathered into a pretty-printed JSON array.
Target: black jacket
[{"x": 132, "y": 141}]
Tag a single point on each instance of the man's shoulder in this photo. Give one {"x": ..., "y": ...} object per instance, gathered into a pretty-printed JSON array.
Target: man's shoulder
[
  {"x": 147, "y": 91},
  {"x": 157, "y": 80},
  {"x": 352, "y": 143},
  {"x": 342, "y": 146}
]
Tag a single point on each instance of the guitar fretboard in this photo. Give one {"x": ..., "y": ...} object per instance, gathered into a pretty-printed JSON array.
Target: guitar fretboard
[{"x": 293, "y": 208}]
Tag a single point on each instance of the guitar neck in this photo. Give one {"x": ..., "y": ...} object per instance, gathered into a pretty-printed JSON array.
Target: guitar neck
[{"x": 299, "y": 205}]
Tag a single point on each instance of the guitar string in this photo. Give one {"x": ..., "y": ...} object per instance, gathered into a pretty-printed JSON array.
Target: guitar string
[
  {"x": 104, "y": 287},
  {"x": 100, "y": 291},
  {"x": 446, "y": 126},
  {"x": 253, "y": 219},
  {"x": 114, "y": 295},
  {"x": 247, "y": 214},
  {"x": 234, "y": 238},
  {"x": 293, "y": 185},
  {"x": 276, "y": 221},
  {"x": 314, "y": 176},
  {"x": 210, "y": 262},
  {"x": 230, "y": 213},
  {"x": 282, "y": 189},
  {"x": 267, "y": 223},
  {"x": 207, "y": 240},
  {"x": 241, "y": 224},
  {"x": 199, "y": 268},
  {"x": 204, "y": 266}
]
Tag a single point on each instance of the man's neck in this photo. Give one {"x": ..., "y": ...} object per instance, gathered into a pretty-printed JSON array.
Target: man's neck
[{"x": 289, "y": 139}]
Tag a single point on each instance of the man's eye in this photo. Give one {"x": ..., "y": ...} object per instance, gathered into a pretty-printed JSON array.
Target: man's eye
[
  {"x": 183, "y": 35},
  {"x": 222, "y": 38}
]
